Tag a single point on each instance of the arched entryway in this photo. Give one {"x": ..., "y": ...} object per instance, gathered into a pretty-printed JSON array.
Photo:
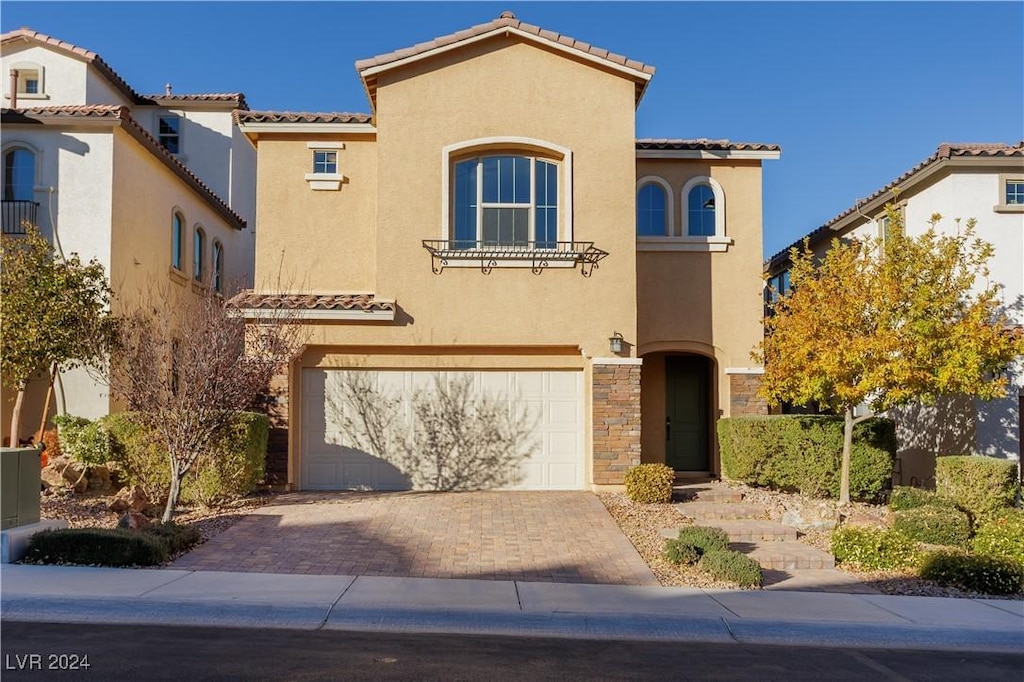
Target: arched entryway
[{"x": 679, "y": 408}]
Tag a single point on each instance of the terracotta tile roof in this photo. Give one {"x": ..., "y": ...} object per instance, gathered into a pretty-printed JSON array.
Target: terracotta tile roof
[
  {"x": 236, "y": 97},
  {"x": 300, "y": 117},
  {"x": 704, "y": 144},
  {"x": 364, "y": 302},
  {"x": 130, "y": 125},
  {"x": 946, "y": 150},
  {"x": 89, "y": 56}
]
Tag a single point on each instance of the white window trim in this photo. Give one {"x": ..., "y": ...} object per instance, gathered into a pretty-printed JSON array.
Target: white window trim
[
  {"x": 29, "y": 66},
  {"x": 699, "y": 244},
  {"x": 1002, "y": 206},
  {"x": 684, "y": 204},
  {"x": 37, "y": 171},
  {"x": 330, "y": 182},
  {"x": 199, "y": 274},
  {"x": 489, "y": 145},
  {"x": 177, "y": 211},
  {"x": 180, "y": 155},
  {"x": 669, "y": 203}
]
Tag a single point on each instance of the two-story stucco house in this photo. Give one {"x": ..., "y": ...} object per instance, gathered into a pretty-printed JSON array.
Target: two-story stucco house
[
  {"x": 158, "y": 189},
  {"x": 958, "y": 181},
  {"x": 494, "y": 222}
]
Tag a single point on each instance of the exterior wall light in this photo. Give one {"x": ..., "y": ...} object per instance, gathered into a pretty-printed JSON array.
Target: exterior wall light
[{"x": 615, "y": 343}]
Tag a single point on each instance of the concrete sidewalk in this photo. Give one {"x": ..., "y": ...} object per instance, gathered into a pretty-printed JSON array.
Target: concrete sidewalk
[{"x": 386, "y": 604}]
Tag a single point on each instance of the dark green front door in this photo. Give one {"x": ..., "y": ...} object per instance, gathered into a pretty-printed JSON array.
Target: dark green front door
[{"x": 686, "y": 413}]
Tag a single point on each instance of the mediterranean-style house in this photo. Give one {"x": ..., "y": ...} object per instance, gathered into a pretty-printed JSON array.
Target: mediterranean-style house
[
  {"x": 492, "y": 248},
  {"x": 157, "y": 188},
  {"x": 958, "y": 181}
]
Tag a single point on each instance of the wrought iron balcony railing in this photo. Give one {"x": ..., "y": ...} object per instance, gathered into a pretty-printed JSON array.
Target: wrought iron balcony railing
[
  {"x": 17, "y": 212},
  {"x": 538, "y": 256}
]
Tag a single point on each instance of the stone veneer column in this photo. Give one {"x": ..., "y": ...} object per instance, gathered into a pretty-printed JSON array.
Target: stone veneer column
[
  {"x": 743, "y": 385},
  {"x": 275, "y": 405},
  {"x": 615, "y": 402}
]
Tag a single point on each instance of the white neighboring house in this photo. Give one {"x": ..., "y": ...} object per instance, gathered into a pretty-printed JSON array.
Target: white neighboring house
[
  {"x": 159, "y": 189},
  {"x": 978, "y": 180}
]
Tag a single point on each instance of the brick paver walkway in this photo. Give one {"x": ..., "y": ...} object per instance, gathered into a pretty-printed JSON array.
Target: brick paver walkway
[{"x": 532, "y": 536}]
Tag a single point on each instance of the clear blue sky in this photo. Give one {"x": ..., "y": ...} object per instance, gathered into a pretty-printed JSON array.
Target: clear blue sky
[{"x": 856, "y": 93}]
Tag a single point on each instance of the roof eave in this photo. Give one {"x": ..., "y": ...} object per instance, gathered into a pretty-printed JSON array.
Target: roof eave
[{"x": 764, "y": 154}]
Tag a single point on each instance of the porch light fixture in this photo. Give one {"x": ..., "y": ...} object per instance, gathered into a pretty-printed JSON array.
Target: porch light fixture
[{"x": 615, "y": 343}]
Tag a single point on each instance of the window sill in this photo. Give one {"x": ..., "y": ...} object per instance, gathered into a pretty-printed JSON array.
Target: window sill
[
  {"x": 325, "y": 181},
  {"x": 30, "y": 95},
  {"x": 697, "y": 244},
  {"x": 1008, "y": 208},
  {"x": 177, "y": 276},
  {"x": 200, "y": 287}
]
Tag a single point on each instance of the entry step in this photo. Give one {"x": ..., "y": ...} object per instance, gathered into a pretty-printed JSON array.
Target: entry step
[
  {"x": 712, "y": 511},
  {"x": 785, "y": 555},
  {"x": 745, "y": 530},
  {"x": 705, "y": 492}
]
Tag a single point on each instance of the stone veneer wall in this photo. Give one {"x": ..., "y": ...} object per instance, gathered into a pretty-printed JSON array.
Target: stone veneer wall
[
  {"x": 275, "y": 405},
  {"x": 743, "y": 395},
  {"x": 616, "y": 406}
]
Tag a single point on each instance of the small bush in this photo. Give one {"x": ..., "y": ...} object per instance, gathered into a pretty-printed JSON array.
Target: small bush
[
  {"x": 142, "y": 459},
  {"x": 974, "y": 572},
  {"x": 725, "y": 564},
  {"x": 679, "y": 552},
  {"x": 804, "y": 452},
  {"x": 905, "y": 497},
  {"x": 704, "y": 538},
  {"x": 981, "y": 486},
  {"x": 95, "y": 547},
  {"x": 872, "y": 549},
  {"x": 650, "y": 483},
  {"x": 1002, "y": 536},
  {"x": 87, "y": 442},
  {"x": 174, "y": 537},
  {"x": 934, "y": 525}
]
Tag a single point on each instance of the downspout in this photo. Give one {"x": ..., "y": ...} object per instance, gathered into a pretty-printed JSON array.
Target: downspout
[{"x": 14, "y": 89}]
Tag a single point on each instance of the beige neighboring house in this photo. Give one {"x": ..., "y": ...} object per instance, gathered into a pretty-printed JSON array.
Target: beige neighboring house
[
  {"x": 140, "y": 183},
  {"x": 494, "y": 224},
  {"x": 984, "y": 181}
]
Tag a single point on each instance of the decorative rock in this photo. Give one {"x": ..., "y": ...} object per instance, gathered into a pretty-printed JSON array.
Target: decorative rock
[
  {"x": 864, "y": 520},
  {"x": 51, "y": 477},
  {"x": 133, "y": 498},
  {"x": 133, "y": 521},
  {"x": 99, "y": 478},
  {"x": 807, "y": 517},
  {"x": 75, "y": 474}
]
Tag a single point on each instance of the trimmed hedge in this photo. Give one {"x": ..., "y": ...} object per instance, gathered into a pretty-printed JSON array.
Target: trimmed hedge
[
  {"x": 804, "y": 453},
  {"x": 905, "y": 497},
  {"x": 704, "y": 538},
  {"x": 234, "y": 465},
  {"x": 174, "y": 537},
  {"x": 96, "y": 547},
  {"x": 872, "y": 549},
  {"x": 725, "y": 564},
  {"x": 974, "y": 572},
  {"x": 981, "y": 486},
  {"x": 681, "y": 553},
  {"x": 934, "y": 525},
  {"x": 650, "y": 483},
  {"x": 1002, "y": 536}
]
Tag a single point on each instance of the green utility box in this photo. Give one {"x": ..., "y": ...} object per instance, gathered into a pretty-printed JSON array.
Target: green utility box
[{"x": 20, "y": 481}]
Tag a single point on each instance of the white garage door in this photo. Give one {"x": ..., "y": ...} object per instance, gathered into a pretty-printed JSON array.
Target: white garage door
[{"x": 400, "y": 430}]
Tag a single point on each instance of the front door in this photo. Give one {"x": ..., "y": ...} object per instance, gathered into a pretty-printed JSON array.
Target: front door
[{"x": 686, "y": 413}]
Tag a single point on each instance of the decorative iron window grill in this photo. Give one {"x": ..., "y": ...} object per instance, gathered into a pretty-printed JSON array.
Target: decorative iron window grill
[{"x": 538, "y": 256}]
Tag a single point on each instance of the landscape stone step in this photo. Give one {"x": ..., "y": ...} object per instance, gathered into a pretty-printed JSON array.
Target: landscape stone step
[
  {"x": 785, "y": 555},
  {"x": 815, "y": 580},
  {"x": 745, "y": 530},
  {"x": 706, "y": 492},
  {"x": 710, "y": 511}
]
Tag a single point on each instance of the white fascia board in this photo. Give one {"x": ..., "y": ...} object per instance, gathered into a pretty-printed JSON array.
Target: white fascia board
[
  {"x": 706, "y": 154},
  {"x": 320, "y": 314},
  {"x": 509, "y": 30},
  {"x": 266, "y": 127}
]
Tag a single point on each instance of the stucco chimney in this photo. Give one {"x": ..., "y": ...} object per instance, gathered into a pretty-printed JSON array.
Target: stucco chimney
[{"x": 14, "y": 89}]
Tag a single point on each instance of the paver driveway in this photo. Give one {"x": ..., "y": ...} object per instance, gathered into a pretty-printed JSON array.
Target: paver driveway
[{"x": 533, "y": 536}]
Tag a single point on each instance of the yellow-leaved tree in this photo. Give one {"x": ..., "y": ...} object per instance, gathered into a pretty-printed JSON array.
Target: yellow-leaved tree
[{"x": 884, "y": 323}]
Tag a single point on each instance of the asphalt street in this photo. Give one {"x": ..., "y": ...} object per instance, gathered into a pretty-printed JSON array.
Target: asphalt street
[{"x": 45, "y": 651}]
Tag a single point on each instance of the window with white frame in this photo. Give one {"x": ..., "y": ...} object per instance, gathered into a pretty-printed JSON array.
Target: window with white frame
[
  {"x": 505, "y": 200},
  {"x": 169, "y": 132},
  {"x": 198, "y": 249},
  {"x": 177, "y": 241},
  {"x": 30, "y": 80},
  {"x": 325, "y": 161},
  {"x": 19, "y": 174},
  {"x": 653, "y": 203},
  {"x": 703, "y": 215},
  {"x": 1014, "y": 192},
  {"x": 217, "y": 259},
  {"x": 700, "y": 207}
]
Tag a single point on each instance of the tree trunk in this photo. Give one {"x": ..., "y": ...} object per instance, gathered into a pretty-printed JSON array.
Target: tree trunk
[
  {"x": 844, "y": 476},
  {"x": 16, "y": 415},
  {"x": 46, "y": 403},
  {"x": 174, "y": 493}
]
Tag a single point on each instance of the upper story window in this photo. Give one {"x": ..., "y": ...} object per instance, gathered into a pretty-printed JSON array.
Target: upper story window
[
  {"x": 177, "y": 241},
  {"x": 505, "y": 200},
  {"x": 778, "y": 286},
  {"x": 30, "y": 80},
  {"x": 198, "y": 249},
  {"x": 700, "y": 207},
  {"x": 1014, "y": 192},
  {"x": 325, "y": 161},
  {"x": 653, "y": 209},
  {"x": 19, "y": 174},
  {"x": 325, "y": 164},
  {"x": 1011, "y": 194},
  {"x": 218, "y": 267},
  {"x": 169, "y": 132}
]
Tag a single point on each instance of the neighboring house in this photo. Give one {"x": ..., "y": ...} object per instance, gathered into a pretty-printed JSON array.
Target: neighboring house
[
  {"x": 156, "y": 188},
  {"x": 959, "y": 181},
  {"x": 494, "y": 224}
]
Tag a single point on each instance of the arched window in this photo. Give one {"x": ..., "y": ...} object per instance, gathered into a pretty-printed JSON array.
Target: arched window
[
  {"x": 198, "y": 247},
  {"x": 178, "y": 241},
  {"x": 19, "y": 174},
  {"x": 218, "y": 267},
  {"x": 701, "y": 212},
  {"x": 653, "y": 209}
]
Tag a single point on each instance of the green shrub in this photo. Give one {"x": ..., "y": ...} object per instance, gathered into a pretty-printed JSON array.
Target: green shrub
[
  {"x": 804, "y": 452},
  {"x": 233, "y": 466},
  {"x": 85, "y": 441},
  {"x": 650, "y": 483},
  {"x": 704, "y": 538},
  {"x": 174, "y": 537},
  {"x": 95, "y": 547},
  {"x": 904, "y": 497},
  {"x": 872, "y": 549},
  {"x": 681, "y": 553},
  {"x": 981, "y": 486},
  {"x": 1002, "y": 535},
  {"x": 934, "y": 525},
  {"x": 725, "y": 564},
  {"x": 974, "y": 572}
]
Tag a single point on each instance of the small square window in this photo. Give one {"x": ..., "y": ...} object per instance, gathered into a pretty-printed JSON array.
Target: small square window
[
  {"x": 169, "y": 133},
  {"x": 1014, "y": 192},
  {"x": 325, "y": 161},
  {"x": 32, "y": 86}
]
